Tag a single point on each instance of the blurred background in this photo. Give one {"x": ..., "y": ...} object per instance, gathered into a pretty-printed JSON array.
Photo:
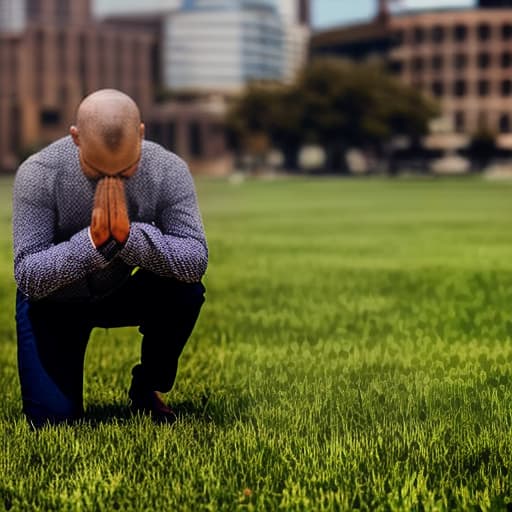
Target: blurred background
[{"x": 298, "y": 86}]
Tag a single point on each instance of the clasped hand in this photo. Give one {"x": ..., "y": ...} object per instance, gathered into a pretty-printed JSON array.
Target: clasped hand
[{"x": 110, "y": 219}]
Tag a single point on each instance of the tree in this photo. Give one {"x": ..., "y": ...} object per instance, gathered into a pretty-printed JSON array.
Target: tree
[
  {"x": 269, "y": 110},
  {"x": 334, "y": 103},
  {"x": 359, "y": 105}
]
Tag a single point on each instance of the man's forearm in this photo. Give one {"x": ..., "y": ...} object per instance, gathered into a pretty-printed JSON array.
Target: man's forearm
[
  {"x": 184, "y": 258},
  {"x": 40, "y": 273}
]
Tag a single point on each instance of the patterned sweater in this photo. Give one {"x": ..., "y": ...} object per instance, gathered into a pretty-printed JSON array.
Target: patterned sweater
[{"x": 52, "y": 203}]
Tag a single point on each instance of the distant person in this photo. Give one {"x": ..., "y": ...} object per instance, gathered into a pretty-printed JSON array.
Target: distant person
[{"x": 107, "y": 233}]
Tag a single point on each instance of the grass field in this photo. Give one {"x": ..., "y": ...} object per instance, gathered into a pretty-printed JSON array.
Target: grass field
[{"x": 354, "y": 352}]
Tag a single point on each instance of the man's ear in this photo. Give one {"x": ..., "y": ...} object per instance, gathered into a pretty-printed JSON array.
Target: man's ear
[
  {"x": 141, "y": 130},
  {"x": 73, "y": 131}
]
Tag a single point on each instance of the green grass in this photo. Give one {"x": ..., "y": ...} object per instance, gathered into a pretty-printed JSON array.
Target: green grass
[{"x": 354, "y": 352}]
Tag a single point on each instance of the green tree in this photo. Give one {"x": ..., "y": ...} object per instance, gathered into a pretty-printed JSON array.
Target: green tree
[{"x": 334, "y": 103}]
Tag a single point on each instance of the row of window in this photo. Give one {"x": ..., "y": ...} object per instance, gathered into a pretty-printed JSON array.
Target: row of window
[
  {"x": 459, "y": 33},
  {"x": 460, "y": 88},
  {"x": 62, "y": 9},
  {"x": 462, "y": 126},
  {"x": 165, "y": 134},
  {"x": 483, "y": 60}
]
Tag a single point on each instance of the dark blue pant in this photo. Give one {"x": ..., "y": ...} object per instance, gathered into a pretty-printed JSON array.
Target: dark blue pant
[{"x": 53, "y": 336}]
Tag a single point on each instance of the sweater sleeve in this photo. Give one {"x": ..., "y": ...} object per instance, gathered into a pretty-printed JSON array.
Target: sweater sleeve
[
  {"x": 42, "y": 266},
  {"x": 175, "y": 244}
]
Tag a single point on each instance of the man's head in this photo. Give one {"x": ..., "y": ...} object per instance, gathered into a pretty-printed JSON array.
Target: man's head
[{"x": 108, "y": 133}]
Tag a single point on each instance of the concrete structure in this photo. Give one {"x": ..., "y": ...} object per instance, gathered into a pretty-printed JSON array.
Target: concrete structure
[
  {"x": 220, "y": 45},
  {"x": 295, "y": 16},
  {"x": 60, "y": 56},
  {"x": 463, "y": 58},
  {"x": 12, "y": 15}
]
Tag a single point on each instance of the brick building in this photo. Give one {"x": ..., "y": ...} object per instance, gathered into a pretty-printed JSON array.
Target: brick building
[
  {"x": 52, "y": 60},
  {"x": 463, "y": 58},
  {"x": 53, "y": 53}
]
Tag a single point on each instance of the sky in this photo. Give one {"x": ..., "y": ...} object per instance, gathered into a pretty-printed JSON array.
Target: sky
[{"x": 337, "y": 12}]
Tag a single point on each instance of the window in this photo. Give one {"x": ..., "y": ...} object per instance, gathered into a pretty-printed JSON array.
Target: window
[
  {"x": 437, "y": 62},
  {"x": 418, "y": 35},
  {"x": 483, "y": 60},
  {"x": 460, "y": 33},
  {"x": 39, "y": 61},
  {"x": 33, "y": 9},
  {"x": 483, "y": 88},
  {"x": 14, "y": 127},
  {"x": 101, "y": 56},
  {"x": 396, "y": 66},
  {"x": 459, "y": 88},
  {"x": 49, "y": 117},
  {"x": 155, "y": 132},
  {"x": 62, "y": 47},
  {"x": 437, "y": 88},
  {"x": 459, "y": 121},
  {"x": 506, "y": 31},
  {"x": 506, "y": 59},
  {"x": 170, "y": 136},
  {"x": 460, "y": 61},
  {"x": 119, "y": 62},
  {"x": 506, "y": 87},
  {"x": 63, "y": 10},
  {"x": 484, "y": 31},
  {"x": 82, "y": 64},
  {"x": 437, "y": 34},
  {"x": 483, "y": 121},
  {"x": 195, "y": 139},
  {"x": 399, "y": 37},
  {"x": 504, "y": 123},
  {"x": 417, "y": 64}
]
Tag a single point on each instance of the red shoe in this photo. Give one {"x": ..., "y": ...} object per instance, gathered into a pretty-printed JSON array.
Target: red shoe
[{"x": 150, "y": 402}]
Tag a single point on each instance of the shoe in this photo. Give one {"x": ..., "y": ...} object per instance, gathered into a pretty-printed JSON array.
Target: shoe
[{"x": 150, "y": 402}]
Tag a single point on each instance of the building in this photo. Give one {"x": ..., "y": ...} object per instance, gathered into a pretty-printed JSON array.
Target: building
[
  {"x": 220, "y": 45},
  {"x": 212, "y": 45},
  {"x": 12, "y": 15},
  {"x": 109, "y": 8},
  {"x": 51, "y": 55},
  {"x": 463, "y": 58},
  {"x": 295, "y": 17}
]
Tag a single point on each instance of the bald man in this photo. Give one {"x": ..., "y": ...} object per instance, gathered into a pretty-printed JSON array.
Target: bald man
[{"x": 107, "y": 233}]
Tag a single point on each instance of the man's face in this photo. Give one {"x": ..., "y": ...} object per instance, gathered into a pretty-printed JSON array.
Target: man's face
[{"x": 96, "y": 161}]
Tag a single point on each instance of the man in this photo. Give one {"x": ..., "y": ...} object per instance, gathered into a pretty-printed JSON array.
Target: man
[{"x": 107, "y": 233}]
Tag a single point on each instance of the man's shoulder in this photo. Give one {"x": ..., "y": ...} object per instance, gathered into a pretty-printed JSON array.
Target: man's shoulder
[{"x": 52, "y": 156}]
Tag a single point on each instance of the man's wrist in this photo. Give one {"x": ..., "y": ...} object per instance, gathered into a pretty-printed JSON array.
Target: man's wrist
[{"x": 109, "y": 249}]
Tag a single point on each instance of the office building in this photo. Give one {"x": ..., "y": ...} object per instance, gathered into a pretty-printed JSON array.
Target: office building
[
  {"x": 220, "y": 45},
  {"x": 12, "y": 16},
  {"x": 462, "y": 58},
  {"x": 56, "y": 56}
]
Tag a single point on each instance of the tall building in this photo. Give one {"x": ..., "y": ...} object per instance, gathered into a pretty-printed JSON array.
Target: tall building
[
  {"x": 220, "y": 45},
  {"x": 54, "y": 58},
  {"x": 462, "y": 58},
  {"x": 12, "y": 15},
  {"x": 295, "y": 17}
]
